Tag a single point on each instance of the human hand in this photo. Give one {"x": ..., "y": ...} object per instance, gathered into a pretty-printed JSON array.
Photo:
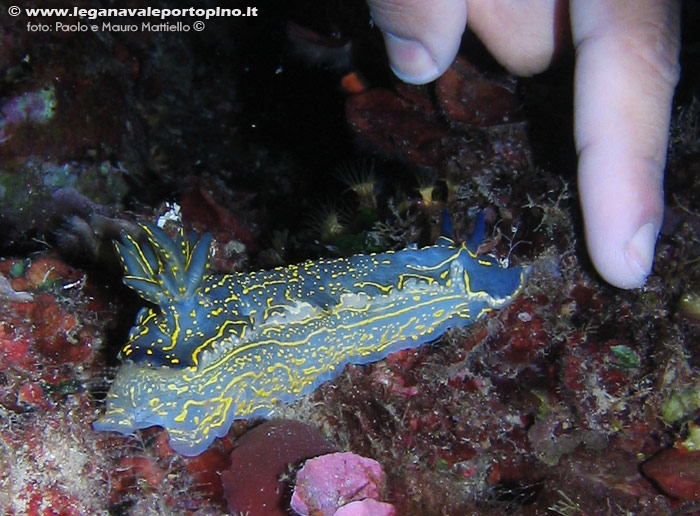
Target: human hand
[{"x": 626, "y": 72}]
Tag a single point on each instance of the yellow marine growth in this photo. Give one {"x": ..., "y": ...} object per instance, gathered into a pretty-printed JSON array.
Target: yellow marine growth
[{"x": 220, "y": 348}]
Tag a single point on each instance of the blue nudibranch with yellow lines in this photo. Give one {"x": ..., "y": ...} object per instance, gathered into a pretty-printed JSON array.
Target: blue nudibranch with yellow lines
[{"x": 226, "y": 347}]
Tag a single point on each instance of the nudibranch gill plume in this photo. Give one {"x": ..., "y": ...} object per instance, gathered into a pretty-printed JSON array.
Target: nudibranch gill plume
[{"x": 216, "y": 348}]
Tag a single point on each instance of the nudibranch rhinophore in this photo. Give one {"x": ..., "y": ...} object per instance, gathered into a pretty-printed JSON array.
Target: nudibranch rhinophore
[{"x": 224, "y": 347}]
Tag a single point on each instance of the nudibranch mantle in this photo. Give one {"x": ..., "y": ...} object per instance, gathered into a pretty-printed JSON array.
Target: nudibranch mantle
[{"x": 224, "y": 347}]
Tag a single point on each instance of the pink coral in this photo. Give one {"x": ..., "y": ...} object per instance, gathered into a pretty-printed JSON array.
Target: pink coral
[{"x": 332, "y": 481}]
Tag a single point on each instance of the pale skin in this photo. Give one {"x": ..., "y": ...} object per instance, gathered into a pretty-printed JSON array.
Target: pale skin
[{"x": 626, "y": 72}]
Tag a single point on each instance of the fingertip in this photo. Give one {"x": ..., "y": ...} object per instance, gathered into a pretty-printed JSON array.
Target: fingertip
[
  {"x": 421, "y": 38},
  {"x": 627, "y": 264},
  {"x": 622, "y": 227},
  {"x": 410, "y": 60}
]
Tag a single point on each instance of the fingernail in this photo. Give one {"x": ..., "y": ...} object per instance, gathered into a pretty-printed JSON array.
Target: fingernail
[
  {"x": 640, "y": 250},
  {"x": 410, "y": 60}
]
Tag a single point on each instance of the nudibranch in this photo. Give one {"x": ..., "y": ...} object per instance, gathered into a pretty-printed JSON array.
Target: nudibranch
[{"x": 222, "y": 347}]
